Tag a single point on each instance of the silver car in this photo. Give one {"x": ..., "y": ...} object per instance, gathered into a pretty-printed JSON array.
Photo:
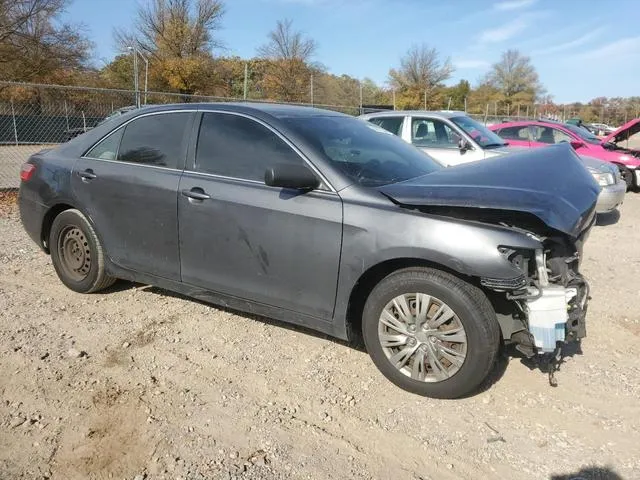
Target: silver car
[
  {"x": 450, "y": 137},
  {"x": 453, "y": 138}
]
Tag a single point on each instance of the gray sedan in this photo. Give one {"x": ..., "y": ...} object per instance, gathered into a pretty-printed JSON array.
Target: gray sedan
[{"x": 326, "y": 221}]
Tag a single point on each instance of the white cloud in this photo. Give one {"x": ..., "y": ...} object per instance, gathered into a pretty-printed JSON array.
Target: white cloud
[
  {"x": 513, "y": 4},
  {"x": 463, "y": 64},
  {"x": 503, "y": 32},
  {"x": 586, "y": 38},
  {"x": 617, "y": 50}
]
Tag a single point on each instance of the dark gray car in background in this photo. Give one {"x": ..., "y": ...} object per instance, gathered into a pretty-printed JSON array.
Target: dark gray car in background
[{"x": 326, "y": 221}]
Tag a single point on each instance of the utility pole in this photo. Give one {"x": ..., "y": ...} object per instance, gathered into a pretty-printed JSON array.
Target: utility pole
[
  {"x": 136, "y": 84},
  {"x": 246, "y": 80},
  {"x": 449, "y": 104},
  {"x": 465, "y": 104},
  {"x": 135, "y": 76},
  {"x": 394, "y": 98},
  {"x": 361, "y": 112}
]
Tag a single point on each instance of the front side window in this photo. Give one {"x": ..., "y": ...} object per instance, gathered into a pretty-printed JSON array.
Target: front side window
[
  {"x": 239, "y": 147},
  {"x": 550, "y": 135},
  {"x": 390, "y": 124},
  {"x": 428, "y": 132},
  {"x": 107, "y": 149},
  {"x": 367, "y": 154},
  {"x": 155, "y": 140},
  {"x": 543, "y": 135},
  {"x": 559, "y": 136},
  {"x": 480, "y": 134}
]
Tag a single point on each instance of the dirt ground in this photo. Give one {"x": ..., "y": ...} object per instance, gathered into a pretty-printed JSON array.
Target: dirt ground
[{"x": 138, "y": 383}]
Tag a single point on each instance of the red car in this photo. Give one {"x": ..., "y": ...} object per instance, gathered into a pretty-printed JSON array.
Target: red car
[{"x": 614, "y": 148}]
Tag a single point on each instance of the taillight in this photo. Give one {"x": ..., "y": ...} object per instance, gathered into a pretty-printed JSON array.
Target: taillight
[{"x": 27, "y": 171}]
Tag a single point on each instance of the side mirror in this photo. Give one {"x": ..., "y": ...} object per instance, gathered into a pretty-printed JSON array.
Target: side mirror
[
  {"x": 576, "y": 144},
  {"x": 288, "y": 175},
  {"x": 463, "y": 145}
]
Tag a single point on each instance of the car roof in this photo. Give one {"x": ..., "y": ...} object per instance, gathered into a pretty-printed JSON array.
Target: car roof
[
  {"x": 522, "y": 123},
  {"x": 412, "y": 113},
  {"x": 272, "y": 109}
]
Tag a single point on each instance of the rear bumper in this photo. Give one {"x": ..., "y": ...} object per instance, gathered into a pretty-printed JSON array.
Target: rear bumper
[
  {"x": 32, "y": 215},
  {"x": 611, "y": 197}
]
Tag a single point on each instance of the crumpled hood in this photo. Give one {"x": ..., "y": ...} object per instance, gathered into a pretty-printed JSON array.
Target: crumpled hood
[
  {"x": 625, "y": 131},
  {"x": 550, "y": 183},
  {"x": 507, "y": 149}
]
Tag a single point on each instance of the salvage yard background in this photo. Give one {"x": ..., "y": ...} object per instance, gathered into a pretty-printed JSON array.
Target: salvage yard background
[{"x": 140, "y": 382}]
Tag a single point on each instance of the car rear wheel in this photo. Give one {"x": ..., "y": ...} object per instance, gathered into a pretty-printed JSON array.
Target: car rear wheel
[
  {"x": 77, "y": 254},
  {"x": 430, "y": 332}
]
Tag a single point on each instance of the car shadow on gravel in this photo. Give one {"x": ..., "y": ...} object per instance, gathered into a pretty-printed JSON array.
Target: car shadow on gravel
[
  {"x": 590, "y": 473},
  {"x": 123, "y": 285},
  {"x": 544, "y": 363},
  {"x": 609, "y": 218}
]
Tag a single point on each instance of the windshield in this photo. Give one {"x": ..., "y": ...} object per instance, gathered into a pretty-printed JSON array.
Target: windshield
[
  {"x": 583, "y": 133},
  {"x": 480, "y": 134},
  {"x": 366, "y": 153}
]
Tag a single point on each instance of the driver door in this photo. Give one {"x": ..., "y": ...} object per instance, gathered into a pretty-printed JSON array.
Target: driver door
[{"x": 243, "y": 238}]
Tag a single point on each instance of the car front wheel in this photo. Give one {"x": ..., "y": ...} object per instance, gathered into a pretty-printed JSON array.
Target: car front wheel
[
  {"x": 430, "y": 332},
  {"x": 77, "y": 254}
]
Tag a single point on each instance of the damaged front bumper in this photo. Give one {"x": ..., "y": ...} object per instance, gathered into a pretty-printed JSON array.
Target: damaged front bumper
[{"x": 556, "y": 314}]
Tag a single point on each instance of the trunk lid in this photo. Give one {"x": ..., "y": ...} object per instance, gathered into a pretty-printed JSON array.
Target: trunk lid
[{"x": 550, "y": 183}]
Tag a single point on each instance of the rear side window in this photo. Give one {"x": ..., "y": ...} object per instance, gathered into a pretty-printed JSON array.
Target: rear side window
[
  {"x": 515, "y": 133},
  {"x": 107, "y": 149},
  {"x": 238, "y": 147},
  {"x": 155, "y": 140},
  {"x": 390, "y": 124}
]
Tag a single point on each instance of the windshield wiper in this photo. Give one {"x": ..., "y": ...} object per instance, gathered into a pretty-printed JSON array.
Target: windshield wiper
[{"x": 489, "y": 145}]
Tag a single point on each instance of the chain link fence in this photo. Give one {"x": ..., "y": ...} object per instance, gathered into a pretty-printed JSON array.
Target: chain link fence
[{"x": 33, "y": 117}]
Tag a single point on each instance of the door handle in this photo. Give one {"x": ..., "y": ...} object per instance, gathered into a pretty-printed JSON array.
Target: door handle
[
  {"x": 87, "y": 175},
  {"x": 196, "y": 193}
]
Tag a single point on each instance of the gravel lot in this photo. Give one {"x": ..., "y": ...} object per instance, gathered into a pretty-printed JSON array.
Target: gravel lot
[{"x": 140, "y": 383}]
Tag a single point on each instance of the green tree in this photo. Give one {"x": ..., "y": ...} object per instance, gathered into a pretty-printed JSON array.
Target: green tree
[
  {"x": 36, "y": 45},
  {"x": 515, "y": 78},
  {"x": 418, "y": 80},
  {"x": 179, "y": 37},
  {"x": 289, "y": 53}
]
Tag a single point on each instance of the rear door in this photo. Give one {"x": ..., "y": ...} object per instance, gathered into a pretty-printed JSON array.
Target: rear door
[
  {"x": 242, "y": 238},
  {"x": 127, "y": 184}
]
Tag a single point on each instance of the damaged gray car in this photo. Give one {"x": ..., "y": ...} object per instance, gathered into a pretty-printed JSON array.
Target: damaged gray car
[{"x": 326, "y": 221}]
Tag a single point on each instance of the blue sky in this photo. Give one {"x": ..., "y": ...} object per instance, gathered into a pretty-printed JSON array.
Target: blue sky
[{"x": 581, "y": 49}]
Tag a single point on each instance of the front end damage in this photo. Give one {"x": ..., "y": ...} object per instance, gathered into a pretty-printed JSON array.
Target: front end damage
[
  {"x": 551, "y": 303},
  {"x": 545, "y": 195}
]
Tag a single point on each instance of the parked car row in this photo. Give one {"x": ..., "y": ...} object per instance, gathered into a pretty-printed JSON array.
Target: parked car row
[
  {"x": 324, "y": 220},
  {"x": 611, "y": 149},
  {"x": 453, "y": 138}
]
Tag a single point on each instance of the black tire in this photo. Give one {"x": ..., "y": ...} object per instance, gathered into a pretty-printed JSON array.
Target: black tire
[
  {"x": 627, "y": 176},
  {"x": 83, "y": 270},
  {"x": 473, "y": 310}
]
